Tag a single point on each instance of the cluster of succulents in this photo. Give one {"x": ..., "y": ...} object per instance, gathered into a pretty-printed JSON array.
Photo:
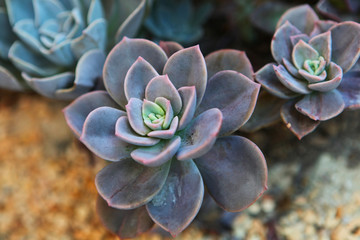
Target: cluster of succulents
[{"x": 165, "y": 116}]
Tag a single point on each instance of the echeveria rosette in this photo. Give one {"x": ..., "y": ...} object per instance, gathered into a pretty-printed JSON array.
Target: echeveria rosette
[
  {"x": 59, "y": 45},
  {"x": 165, "y": 126},
  {"x": 313, "y": 57}
]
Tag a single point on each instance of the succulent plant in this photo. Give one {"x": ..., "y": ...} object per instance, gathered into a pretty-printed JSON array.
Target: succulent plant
[
  {"x": 165, "y": 122},
  {"x": 313, "y": 57},
  {"x": 177, "y": 20},
  {"x": 57, "y": 45},
  {"x": 340, "y": 10}
]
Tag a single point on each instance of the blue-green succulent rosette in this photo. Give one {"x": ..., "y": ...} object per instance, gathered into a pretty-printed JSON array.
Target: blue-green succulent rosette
[
  {"x": 58, "y": 45},
  {"x": 165, "y": 123}
]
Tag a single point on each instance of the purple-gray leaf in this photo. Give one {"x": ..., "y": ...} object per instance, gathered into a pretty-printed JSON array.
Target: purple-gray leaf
[
  {"x": 124, "y": 131},
  {"x": 128, "y": 185},
  {"x": 200, "y": 134},
  {"x": 334, "y": 77},
  {"x": 77, "y": 111},
  {"x": 179, "y": 201},
  {"x": 234, "y": 172},
  {"x": 302, "y": 52},
  {"x": 296, "y": 38},
  {"x": 303, "y": 17},
  {"x": 291, "y": 68},
  {"x": 313, "y": 78},
  {"x": 298, "y": 123},
  {"x": 124, "y": 223},
  {"x": 170, "y": 47},
  {"x": 321, "y": 105},
  {"x": 228, "y": 59},
  {"x": 136, "y": 79},
  {"x": 236, "y": 101},
  {"x": 99, "y": 134},
  {"x": 161, "y": 86},
  {"x": 350, "y": 89},
  {"x": 281, "y": 46},
  {"x": 158, "y": 154},
  {"x": 166, "y": 134},
  {"x": 187, "y": 68},
  {"x": 267, "y": 78},
  {"x": 134, "y": 114},
  {"x": 345, "y": 44},
  {"x": 188, "y": 98},
  {"x": 128, "y": 50},
  {"x": 322, "y": 44},
  {"x": 296, "y": 85}
]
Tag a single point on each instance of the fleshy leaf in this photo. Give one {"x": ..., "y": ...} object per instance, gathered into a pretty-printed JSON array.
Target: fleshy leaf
[
  {"x": 27, "y": 31},
  {"x": 281, "y": 46},
  {"x": 132, "y": 23},
  {"x": 321, "y": 105},
  {"x": 345, "y": 44},
  {"x": 78, "y": 110},
  {"x": 169, "y": 113},
  {"x": 124, "y": 132},
  {"x": 136, "y": 79},
  {"x": 334, "y": 77},
  {"x": 93, "y": 37},
  {"x": 302, "y": 17},
  {"x": 179, "y": 201},
  {"x": 296, "y": 85},
  {"x": 266, "y": 112},
  {"x": 127, "y": 51},
  {"x": 291, "y": 68},
  {"x": 45, "y": 10},
  {"x": 99, "y": 134},
  {"x": 9, "y": 81},
  {"x": 267, "y": 78},
  {"x": 161, "y": 86},
  {"x": 350, "y": 89},
  {"x": 124, "y": 223},
  {"x": 187, "y": 68},
  {"x": 166, "y": 134},
  {"x": 134, "y": 113},
  {"x": 322, "y": 44},
  {"x": 234, "y": 172},
  {"x": 95, "y": 11},
  {"x": 302, "y": 52},
  {"x": 322, "y": 26},
  {"x": 236, "y": 101},
  {"x": 313, "y": 78},
  {"x": 26, "y": 60},
  {"x": 188, "y": 98},
  {"x": 200, "y": 135},
  {"x": 170, "y": 47},
  {"x": 7, "y": 36},
  {"x": 228, "y": 59},
  {"x": 88, "y": 73},
  {"x": 128, "y": 185},
  {"x": 296, "y": 38},
  {"x": 19, "y": 9},
  {"x": 157, "y": 155},
  {"x": 298, "y": 123}
]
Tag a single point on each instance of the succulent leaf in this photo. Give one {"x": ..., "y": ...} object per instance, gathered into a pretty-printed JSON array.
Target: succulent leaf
[
  {"x": 298, "y": 123},
  {"x": 128, "y": 185},
  {"x": 135, "y": 116},
  {"x": 296, "y": 85},
  {"x": 158, "y": 154},
  {"x": 334, "y": 78},
  {"x": 187, "y": 68},
  {"x": 129, "y": 50},
  {"x": 236, "y": 101},
  {"x": 188, "y": 98},
  {"x": 136, "y": 79},
  {"x": 322, "y": 44},
  {"x": 246, "y": 172},
  {"x": 228, "y": 59},
  {"x": 124, "y": 223},
  {"x": 179, "y": 201},
  {"x": 302, "y": 52},
  {"x": 99, "y": 134},
  {"x": 166, "y": 134},
  {"x": 170, "y": 47},
  {"x": 321, "y": 105},
  {"x": 200, "y": 135},
  {"x": 296, "y": 38},
  {"x": 350, "y": 89},
  {"x": 124, "y": 131}
]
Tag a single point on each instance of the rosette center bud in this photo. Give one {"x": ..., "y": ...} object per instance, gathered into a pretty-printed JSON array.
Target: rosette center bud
[
  {"x": 157, "y": 115},
  {"x": 315, "y": 67}
]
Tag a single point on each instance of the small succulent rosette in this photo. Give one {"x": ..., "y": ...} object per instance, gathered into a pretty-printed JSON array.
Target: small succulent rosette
[
  {"x": 313, "y": 57},
  {"x": 166, "y": 127},
  {"x": 57, "y": 45}
]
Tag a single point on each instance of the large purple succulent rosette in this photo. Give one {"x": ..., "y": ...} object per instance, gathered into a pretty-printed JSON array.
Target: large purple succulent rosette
[
  {"x": 165, "y": 126},
  {"x": 313, "y": 57}
]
